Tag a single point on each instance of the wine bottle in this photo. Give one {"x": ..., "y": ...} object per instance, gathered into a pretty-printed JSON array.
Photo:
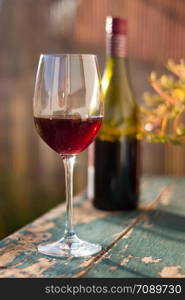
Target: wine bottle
[{"x": 116, "y": 177}]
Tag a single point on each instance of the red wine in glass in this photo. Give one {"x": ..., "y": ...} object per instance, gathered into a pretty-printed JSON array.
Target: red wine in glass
[
  {"x": 68, "y": 111},
  {"x": 67, "y": 135}
]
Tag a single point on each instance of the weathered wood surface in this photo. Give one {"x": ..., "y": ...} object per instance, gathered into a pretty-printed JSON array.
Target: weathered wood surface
[{"x": 148, "y": 242}]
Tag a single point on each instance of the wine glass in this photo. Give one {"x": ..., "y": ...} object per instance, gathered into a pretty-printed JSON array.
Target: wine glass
[{"x": 68, "y": 113}]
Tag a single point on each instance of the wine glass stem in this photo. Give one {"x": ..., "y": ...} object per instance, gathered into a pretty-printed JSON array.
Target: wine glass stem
[{"x": 69, "y": 161}]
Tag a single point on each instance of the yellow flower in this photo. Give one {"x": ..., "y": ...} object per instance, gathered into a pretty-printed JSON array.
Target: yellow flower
[{"x": 179, "y": 93}]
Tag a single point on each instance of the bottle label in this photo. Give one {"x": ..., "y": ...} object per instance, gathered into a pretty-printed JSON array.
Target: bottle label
[{"x": 116, "y": 45}]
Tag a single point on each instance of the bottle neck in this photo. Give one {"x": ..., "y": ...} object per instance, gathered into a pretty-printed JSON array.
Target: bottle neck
[{"x": 116, "y": 45}]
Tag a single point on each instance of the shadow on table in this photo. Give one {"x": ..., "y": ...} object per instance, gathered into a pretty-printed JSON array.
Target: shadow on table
[
  {"x": 161, "y": 223},
  {"x": 166, "y": 224}
]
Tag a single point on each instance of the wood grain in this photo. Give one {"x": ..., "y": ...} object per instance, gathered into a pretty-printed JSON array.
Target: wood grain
[{"x": 120, "y": 233}]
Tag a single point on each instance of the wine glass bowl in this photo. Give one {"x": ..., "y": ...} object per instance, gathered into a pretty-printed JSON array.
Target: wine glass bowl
[
  {"x": 68, "y": 112},
  {"x": 67, "y": 135}
]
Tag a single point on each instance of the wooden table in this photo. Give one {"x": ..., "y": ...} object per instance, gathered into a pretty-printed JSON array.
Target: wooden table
[{"x": 148, "y": 242}]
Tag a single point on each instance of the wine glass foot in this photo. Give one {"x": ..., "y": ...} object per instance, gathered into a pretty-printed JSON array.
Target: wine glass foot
[{"x": 69, "y": 247}]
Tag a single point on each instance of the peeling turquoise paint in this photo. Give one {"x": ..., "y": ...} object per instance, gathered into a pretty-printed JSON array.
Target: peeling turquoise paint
[{"x": 164, "y": 240}]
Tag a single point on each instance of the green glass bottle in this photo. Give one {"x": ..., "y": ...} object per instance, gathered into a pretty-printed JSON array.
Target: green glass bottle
[{"x": 116, "y": 147}]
